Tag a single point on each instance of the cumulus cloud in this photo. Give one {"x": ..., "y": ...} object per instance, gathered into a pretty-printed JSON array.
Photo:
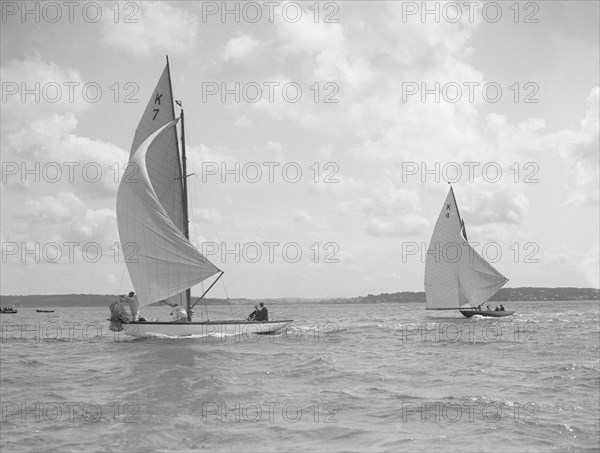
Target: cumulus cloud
[
  {"x": 302, "y": 216},
  {"x": 63, "y": 158},
  {"x": 40, "y": 133},
  {"x": 326, "y": 45},
  {"x": 51, "y": 209},
  {"x": 582, "y": 150},
  {"x": 32, "y": 88},
  {"x": 160, "y": 27},
  {"x": 498, "y": 205},
  {"x": 240, "y": 48},
  {"x": 62, "y": 186},
  {"x": 590, "y": 264},
  {"x": 397, "y": 226},
  {"x": 370, "y": 133},
  {"x": 208, "y": 215},
  {"x": 573, "y": 264},
  {"x": 63, "y": 218},
  {"x": 271, "y": 150},
  {"x": 331, "y": 181},
  {"x": 243, "y": 121},
  {"x": 95, "y": 225},
  {"x": 390, "y": 211}
]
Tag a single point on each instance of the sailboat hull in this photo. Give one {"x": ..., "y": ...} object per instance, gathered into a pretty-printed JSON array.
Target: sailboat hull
[
  {"x": 176, "y": 329},
  {"x": 486, "y": 313}
]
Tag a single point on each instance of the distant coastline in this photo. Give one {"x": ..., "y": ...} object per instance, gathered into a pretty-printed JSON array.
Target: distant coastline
[{"x": 526, "y": 294}]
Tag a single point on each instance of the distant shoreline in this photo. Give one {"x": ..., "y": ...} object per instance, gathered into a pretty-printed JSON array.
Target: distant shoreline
[{"x": 526, "y": 294}]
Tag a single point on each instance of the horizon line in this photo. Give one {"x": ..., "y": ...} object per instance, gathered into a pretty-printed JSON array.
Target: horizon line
[{"x": 299, "y": 297}]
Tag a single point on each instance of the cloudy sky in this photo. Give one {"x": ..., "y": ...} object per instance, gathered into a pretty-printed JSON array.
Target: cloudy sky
[{"x": 356, "y": 114}]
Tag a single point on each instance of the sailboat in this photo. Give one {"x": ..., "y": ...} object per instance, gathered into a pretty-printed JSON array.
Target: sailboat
[
  {"x": 456, "y": 276},
  {"x": 152, "y": 218}
]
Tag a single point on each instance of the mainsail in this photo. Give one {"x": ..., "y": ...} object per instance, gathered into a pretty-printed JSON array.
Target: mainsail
[
  {"x": 162, "y": 161},
  {"x": 455, "y": 274},
  {"x": 150, "y": 211}
]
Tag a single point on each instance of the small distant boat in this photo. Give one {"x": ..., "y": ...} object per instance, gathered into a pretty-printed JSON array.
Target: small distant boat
[
  {"x": 45, "y": 311},
  {"x": 8, "y": 310},
  {"x": 152, "y": 213},
  {"x": 456, "y": 276}
]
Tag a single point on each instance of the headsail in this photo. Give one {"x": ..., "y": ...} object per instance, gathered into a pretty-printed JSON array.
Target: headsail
[
  {"x": 165, "y": 263},
  {"x": 455, "y": 274},
  {"x": 479, "y": 280}
]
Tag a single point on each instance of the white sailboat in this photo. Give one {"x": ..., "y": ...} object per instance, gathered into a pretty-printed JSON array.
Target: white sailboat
[
  {"x": 456, "y": 276},
  {"x": 152, "y": 217}
]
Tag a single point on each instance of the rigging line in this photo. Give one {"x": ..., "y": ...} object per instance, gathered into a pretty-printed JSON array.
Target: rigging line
[
  {"x": 193, "y": 198},
  {"x": 192, "y": 233},
  {"x": 212, "y": 223},
  {"x": 192, "y": 192},
  {"x": 203, "y": 291},
  {"x": 195, "y": 216},
  {"x": 227, "y": 297},
  {"x": 230, "y": 274}
]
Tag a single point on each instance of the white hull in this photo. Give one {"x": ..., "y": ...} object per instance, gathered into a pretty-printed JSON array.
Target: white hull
[{"x": 176, "y": 329}]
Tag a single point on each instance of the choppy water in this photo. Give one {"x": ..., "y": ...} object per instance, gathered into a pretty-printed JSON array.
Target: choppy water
[{"x": 380, "y": 377}]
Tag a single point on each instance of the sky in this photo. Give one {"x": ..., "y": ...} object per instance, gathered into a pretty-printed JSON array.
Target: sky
[{"x": 321, "y": 136}]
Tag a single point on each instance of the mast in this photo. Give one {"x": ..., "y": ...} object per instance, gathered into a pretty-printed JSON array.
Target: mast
[
  {"x": 456, "y": 204},
  {"x": 463, "y": 229},
  {"x": 186, "y": 227},
  {"x": 184, "y": 202}
]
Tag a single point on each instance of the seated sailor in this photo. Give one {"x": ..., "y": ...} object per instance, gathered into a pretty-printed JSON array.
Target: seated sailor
[
  {"x": 263, "y": 313},
  {"x": 252, "y": 316},
  {"x": 118, "y": 315},
  {"x": 179, "y": 314}
]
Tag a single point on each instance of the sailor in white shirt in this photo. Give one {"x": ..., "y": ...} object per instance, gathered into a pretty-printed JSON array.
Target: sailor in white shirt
[
  {"x": 134, "y": 306},
  {"x": 179, "y": 314}
]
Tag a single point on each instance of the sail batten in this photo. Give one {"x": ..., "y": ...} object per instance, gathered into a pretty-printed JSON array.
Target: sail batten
[{"x": 455, "y": 274}]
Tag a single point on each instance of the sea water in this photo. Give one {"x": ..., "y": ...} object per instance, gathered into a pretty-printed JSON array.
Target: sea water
[{"x": 342, "y": 377}]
